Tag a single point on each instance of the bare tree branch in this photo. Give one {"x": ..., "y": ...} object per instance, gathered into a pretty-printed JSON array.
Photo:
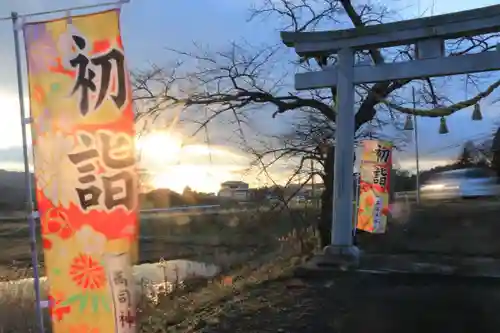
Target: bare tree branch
[{"x": 243, "y": 81}]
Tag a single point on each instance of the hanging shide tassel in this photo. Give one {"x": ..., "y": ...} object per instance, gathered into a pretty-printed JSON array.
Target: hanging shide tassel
[
  {"x": 443, "y": 129},
  {"x": 409, "y": 123},
  {"x": 476, "y": 114}
]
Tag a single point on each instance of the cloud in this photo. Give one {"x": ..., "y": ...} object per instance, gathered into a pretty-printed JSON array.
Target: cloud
[
  {"x": 214, "y": 23},
  {"x": 430, "y": 7}
]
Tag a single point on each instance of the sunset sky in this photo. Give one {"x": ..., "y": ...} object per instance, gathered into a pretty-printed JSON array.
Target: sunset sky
[{"x": 149, "y": 26}]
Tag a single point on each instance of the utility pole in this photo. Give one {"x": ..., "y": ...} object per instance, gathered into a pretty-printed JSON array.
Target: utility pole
[
  {"x": 313, "y": 192},
  {"x": 417, "y": 161}
]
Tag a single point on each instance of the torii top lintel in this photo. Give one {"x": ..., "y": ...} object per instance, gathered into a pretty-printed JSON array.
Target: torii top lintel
[{"x": 448, "y": 26}]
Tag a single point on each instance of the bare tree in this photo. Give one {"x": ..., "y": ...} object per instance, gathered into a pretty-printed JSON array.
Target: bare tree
[
  {"x": 245, "y": 81},
  {"x": 485, "y": 151},
  {"x": 495, "y": 147},
  {"x": 467, "y": 156}
]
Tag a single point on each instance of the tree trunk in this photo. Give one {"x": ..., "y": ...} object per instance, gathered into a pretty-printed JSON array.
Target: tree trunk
[
  {"x": 325, "y": 223},
  {"x": 495, "y": 147}
]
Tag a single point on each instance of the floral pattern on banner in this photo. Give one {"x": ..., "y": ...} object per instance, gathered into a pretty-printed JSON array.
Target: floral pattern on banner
[
  {"x": 368, "y": 193},
  {"x": 55, "y": 223},
  {"x": 375, "y": 168},
  {"x": 84, "y": 161},
  {"x": 57, "y": 310},
  {"x": 87, "y": 272},
  {"x": 83, "y": 329},
  {"x": 41, "y": 47},
  {"x": 90, "y": 241},
  {"x": 55, "y": 175}
]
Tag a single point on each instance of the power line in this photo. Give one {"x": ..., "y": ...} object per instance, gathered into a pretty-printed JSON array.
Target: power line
[
  {"x": 476, "y": 137},
  {"x": 455, "y": 145}
]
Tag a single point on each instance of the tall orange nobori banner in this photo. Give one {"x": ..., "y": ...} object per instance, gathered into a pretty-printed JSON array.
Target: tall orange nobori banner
[{"x": 85, "y": 170}]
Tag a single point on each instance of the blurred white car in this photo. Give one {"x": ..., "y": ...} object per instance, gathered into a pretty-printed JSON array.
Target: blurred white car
[{"x": 461, "y": 183}]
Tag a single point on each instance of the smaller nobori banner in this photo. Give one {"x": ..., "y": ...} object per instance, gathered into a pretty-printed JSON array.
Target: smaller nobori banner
[{"x": 376, "y": 162}]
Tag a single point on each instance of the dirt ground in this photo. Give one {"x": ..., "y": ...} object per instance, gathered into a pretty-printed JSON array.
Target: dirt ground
[
  {"x": 354, "y": 304},
  {"x": 360, "y": 302},
  {"x": 351, "y": 302}
]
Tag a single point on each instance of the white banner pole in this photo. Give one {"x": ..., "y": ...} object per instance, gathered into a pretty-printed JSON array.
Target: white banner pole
[{"x": 27, "y": 175}]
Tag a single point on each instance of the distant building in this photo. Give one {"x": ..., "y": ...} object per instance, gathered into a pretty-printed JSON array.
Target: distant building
[
  {"x": 235, "y": 190},
  {"x": 307, "y": 191}
]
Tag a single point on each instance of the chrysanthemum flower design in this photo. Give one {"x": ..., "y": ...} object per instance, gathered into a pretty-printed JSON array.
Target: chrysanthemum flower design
[{"x": 87, "y": 272}]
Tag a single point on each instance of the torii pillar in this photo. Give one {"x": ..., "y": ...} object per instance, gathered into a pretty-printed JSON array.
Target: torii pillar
[{"x": 428, "y": 35}]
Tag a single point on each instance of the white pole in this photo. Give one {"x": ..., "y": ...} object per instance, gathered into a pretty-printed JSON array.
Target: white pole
[
  {"x": 313, "y": 185},
  {"x": 342, "y": 218},
  {"x": 415, "y": 128},
  {"x": 418, "y": 160},
  {"x": 27, "y": 177}
]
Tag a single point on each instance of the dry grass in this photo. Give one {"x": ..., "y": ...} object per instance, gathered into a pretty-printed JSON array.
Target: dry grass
[
  {"x": 259, "y": 298},
  {"x": 277, "y": 238},
  {"x": 245, "y": 291},
  {"x": 189, "y": 309}
]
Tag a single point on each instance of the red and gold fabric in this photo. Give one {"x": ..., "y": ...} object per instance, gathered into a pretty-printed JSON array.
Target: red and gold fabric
[
  {"x": 85, "y": 171},
  {"x": 375, "y": 169}
]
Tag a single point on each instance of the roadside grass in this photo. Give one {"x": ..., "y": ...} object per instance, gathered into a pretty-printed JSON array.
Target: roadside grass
[
  {"x": 251, "y": 249},
  {"x": 191, "y": 309},
  {"x": 247, "y": 247}
]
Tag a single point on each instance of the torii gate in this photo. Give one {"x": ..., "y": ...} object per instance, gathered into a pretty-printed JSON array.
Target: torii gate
[{"x": 428, "y": 35}]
